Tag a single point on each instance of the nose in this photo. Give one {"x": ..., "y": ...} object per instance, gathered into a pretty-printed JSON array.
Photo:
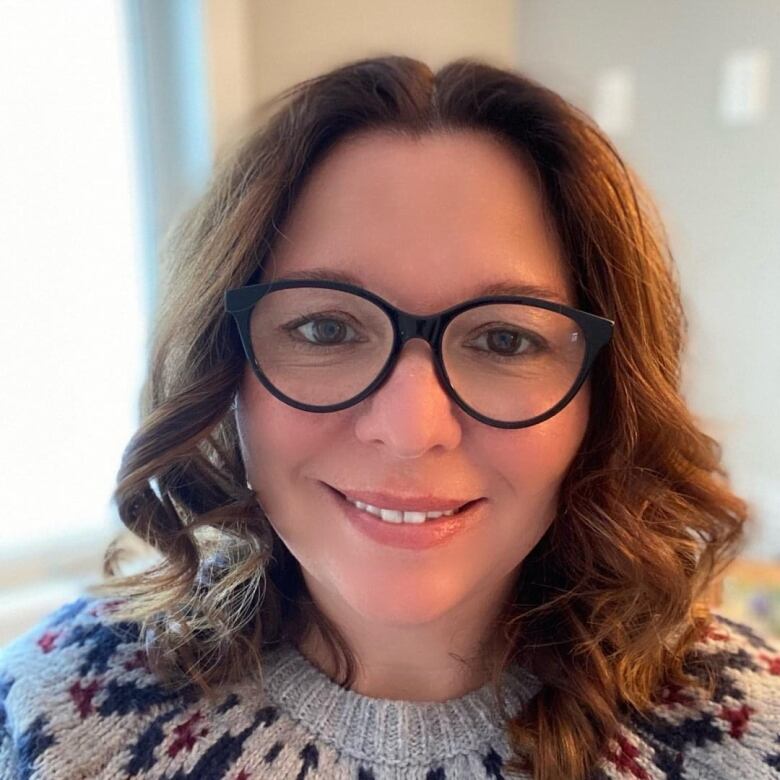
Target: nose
[{"x": 411, "y": 412}]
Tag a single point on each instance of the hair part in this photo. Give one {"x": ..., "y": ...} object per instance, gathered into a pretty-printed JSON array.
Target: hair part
[{"x": 608, "y": 605}]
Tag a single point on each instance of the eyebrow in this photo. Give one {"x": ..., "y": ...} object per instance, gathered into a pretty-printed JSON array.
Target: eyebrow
[{"x": 503, "y": 287}]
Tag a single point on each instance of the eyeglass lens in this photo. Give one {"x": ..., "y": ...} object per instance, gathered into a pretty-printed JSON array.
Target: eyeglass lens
[{"x": 510, "y": 362}]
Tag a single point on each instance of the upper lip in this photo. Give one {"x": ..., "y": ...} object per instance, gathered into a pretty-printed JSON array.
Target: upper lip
[{"x": 420, "y": 503}]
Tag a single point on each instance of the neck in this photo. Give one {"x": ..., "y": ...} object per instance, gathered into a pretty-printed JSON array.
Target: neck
[{"x": 443, "y": 659}]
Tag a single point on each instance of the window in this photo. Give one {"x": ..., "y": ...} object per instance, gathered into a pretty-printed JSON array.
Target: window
[{"x": 72, "y": 301}]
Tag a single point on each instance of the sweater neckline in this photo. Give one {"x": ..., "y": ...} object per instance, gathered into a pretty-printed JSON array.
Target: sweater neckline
[{"x": 391, "y": 731}]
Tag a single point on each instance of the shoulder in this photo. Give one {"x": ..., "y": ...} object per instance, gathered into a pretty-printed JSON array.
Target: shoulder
[
  {"x": 732, "y": 734},
  {"x": 63, "y": 682},
  {"x": 69, "y": 644}
]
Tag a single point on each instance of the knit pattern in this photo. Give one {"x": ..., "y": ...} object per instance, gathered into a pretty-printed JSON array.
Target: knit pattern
[{"x": 78, "y": 701}]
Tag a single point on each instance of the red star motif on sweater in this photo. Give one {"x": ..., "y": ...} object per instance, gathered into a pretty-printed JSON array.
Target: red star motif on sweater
[
  {"x": 139, "y": 659},
  {"x": 738, "y": 717},
  {"x": 47, "y": 639},
  {"x": 674, "y": 694},
  {"x": 185, "y": 735},
  {"x": 624, "y": 758},
  {"x": 82, "y": 696},
  {"x": 242, "y": 775},
  {"x": 772, "y": 662}
]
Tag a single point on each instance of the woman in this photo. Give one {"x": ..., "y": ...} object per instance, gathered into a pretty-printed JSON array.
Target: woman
[{"x": 487, "y": 555}]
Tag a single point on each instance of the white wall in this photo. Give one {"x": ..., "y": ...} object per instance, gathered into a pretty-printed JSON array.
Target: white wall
[
  {"x": 258, "y": 47},
  {"x": 718, "y": 185}
]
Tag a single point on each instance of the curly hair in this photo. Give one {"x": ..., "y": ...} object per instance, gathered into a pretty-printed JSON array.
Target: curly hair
[{"x": 609, "y": 603}]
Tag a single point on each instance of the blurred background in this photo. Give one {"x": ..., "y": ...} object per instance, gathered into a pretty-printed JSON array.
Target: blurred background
[{"x": 115, "y": 111}]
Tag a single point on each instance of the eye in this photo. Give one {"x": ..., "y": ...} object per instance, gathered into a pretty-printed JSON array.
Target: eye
[
  {"x": 509, "y": 342},
  {"x": 324, "y": 330}
]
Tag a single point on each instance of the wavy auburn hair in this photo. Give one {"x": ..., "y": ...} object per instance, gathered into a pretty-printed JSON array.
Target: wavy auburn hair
[{"x": 611, "y": 600}]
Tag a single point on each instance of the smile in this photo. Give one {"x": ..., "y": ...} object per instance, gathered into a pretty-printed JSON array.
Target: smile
[
  {"x": 399, "y": 516},
  {"x": 412, "y": 534}
]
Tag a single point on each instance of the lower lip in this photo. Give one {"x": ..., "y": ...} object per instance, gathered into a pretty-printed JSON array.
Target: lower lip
[{"x": 410, "y": 536}]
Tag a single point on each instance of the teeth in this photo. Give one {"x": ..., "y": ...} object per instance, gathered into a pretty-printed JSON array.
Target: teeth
[{"x": 396, "y": 516}]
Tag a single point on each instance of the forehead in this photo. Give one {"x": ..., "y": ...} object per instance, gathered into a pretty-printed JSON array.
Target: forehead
[{"x": 423, "y": 222}]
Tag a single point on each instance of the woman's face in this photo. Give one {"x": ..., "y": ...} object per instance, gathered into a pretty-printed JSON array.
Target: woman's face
[{"x": 425, "y": 224}]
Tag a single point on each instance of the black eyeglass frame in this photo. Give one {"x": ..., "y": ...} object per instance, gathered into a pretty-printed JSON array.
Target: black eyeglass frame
[{"x": 240, "y": 301}]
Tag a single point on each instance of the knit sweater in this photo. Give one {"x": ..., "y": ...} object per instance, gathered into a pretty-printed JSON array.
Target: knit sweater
[{"x": 78, "y": 701}]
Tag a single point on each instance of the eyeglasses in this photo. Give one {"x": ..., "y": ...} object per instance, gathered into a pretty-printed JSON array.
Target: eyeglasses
[{"x": 508, "y": 361}]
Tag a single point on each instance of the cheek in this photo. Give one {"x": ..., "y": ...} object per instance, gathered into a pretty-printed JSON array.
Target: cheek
[
  {"x": 529, "y": 466},
  {"x": 534, "y": 461},
  {"x": 278, "y": 443},
  {"x": 267, "y": 425}
]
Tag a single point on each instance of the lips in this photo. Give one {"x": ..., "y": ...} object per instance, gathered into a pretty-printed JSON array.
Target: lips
[
  {"x": 411, "y": 536},
  {"x": 420, "y": 503}
]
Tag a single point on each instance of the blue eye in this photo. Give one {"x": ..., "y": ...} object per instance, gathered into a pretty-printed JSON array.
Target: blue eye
[
  {"x": 515, "y": 343},
  {"x": 322, "y": 330}
]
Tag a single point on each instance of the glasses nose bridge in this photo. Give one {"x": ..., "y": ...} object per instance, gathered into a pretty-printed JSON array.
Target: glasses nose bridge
[{"x": 411, "y": 326}]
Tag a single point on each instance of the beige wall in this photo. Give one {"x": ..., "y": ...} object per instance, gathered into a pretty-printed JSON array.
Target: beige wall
[{"x": 257, "y": 47}]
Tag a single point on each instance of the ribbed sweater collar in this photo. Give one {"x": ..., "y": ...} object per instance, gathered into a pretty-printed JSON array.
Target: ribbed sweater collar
[{"x": 390, "y": 730}]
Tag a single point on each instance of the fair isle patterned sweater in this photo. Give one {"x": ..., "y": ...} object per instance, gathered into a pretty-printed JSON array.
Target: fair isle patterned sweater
[{"x": 78, "y": 702}]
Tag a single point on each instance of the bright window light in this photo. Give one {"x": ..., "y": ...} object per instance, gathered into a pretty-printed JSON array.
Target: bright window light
[{"x": 72, "y": 318}]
